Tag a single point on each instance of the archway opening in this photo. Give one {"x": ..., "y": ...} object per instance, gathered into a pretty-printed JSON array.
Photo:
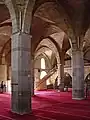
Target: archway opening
[
  {"x": 5, "y": 47},
  {"x": 87, "y": 79},
  {"x": 43, "y": 73},
  {"x": 67, "y": 80}
]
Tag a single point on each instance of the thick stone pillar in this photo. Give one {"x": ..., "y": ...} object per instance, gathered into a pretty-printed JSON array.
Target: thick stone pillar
[
  {"x": 78, "y": 75},
  {"x": 32, "y": 77},
  {"x": 61, "y": 71},
  {"x": 8, "y": 86},
  {"x": 7, "y": 78},
  {"x": 7, "y": 72},
  {"x": 21, "y": 75},
  {"x": 61, "y": 76}
]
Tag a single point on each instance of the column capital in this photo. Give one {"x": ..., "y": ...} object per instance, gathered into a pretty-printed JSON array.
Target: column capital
[
  {"x": 77, "y": 50},
  {"x": 19, "y": 32}
]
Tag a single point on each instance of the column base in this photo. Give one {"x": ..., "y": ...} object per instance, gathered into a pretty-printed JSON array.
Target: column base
[
  {"x": 25, "y": 113},
  {"x": 78, "y": 98},
  {"x": 61, "y": 87},
  {"x": 78, "y": 94},
  {"x": 32, "y": 93},
  {"x": 66, "y": 89},
  {"x": 21, "y": 102}
]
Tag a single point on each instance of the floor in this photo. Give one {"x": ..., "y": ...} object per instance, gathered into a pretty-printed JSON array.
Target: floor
[{"x": 49, "y": 105}]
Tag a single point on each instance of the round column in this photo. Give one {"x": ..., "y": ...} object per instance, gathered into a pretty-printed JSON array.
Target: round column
[
  {"x": 77, "y": 75},
  {"x": 21, "y": 73},
  {"x": 61, "y": 77}
]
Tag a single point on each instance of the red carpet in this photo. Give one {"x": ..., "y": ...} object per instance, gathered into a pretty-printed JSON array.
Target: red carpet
[{"x": 49, "y": 105}]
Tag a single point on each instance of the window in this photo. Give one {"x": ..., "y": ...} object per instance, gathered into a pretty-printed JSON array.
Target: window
[
  {"x": 43, "y": 73},
  {"x": 42, "y": 63}
]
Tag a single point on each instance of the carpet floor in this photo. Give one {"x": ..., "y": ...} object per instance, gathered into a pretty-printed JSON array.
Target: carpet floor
[{"x": 49, "y": 105}]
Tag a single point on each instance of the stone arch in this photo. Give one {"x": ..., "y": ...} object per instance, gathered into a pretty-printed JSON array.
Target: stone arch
[
  {"x": 5, "y": 45},
  {"x": 38, "y": 71},
  {"x": 86, "y": 45},
  {"x": 87, "y": 36},
  {"x": 5, "y": 28},
  {"x": 67, "y": 79},
  {"x": 66, "y": 45},
  {"x": 28, "y": 16},
  {"x": 44, "y": 31},
  {"x": 14, "y": 8},
  {"x": 51, "y": 44},
  {"x": 38, "y": 3},
  {"x": 87, "y": 78},
  {"x": 63, "y": 20},
  {"x": 11, "y": 7},
  {"x": 39, "y": 56},
  {"x": 6, "y": 23},
  {"x": 54, "y": 60},
  {"x": 39, "y": 52},
  {"x": 68, "y": 70},
  {"x": 41, "y": 47}
]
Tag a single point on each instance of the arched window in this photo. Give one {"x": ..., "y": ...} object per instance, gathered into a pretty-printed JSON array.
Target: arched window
[
  {"x": 42, "y": 63},
  {"x": 43, "y": 73}
]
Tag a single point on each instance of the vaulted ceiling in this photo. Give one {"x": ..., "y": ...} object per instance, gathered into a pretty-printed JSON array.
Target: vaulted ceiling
[{"x": 51, "y": 19}]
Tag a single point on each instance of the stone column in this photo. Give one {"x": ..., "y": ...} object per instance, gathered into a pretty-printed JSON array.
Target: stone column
[
  {"x": 78, "y": 75},
  {"x": 20, "y": 74},
  {"x": 61, "y": 76},
  {"x": 61, "y": 71},
  {"x": 32, "y": 77},
  {"x": 7, "y": 72},
  {"x": 7, "y": 77}
]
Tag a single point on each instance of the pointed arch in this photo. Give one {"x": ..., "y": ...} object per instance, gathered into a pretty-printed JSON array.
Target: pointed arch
[
  {"x": 11, "y": 7},
  {"x": 28, "y": 16}
]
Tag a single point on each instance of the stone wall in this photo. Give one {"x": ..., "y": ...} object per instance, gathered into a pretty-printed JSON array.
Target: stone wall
[
  {"x": 69, "y": 70},
  {"x": 3, "y": 73}
]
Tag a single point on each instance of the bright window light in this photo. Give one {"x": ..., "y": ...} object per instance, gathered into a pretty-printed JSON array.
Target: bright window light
[
  {"x": 43, "y": 73},
  {"x": 42, "y": 63}
]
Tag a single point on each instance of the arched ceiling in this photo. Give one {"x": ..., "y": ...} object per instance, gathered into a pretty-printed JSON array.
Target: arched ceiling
[
  {"x": 53, "y": 13},
  {"x": 38, "y": 58},
  {"x": 74, "y": 14},
  {"x": 50, "y": 55},
  {"x": 78, "y": 12},
  {"x": 51, "y": 18},
  {"x": 44, "y": 50},
  {"x": 40, "y": 30},
  {"x": 4, "y": 13},
  {"x": 49, "y": 44}
]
